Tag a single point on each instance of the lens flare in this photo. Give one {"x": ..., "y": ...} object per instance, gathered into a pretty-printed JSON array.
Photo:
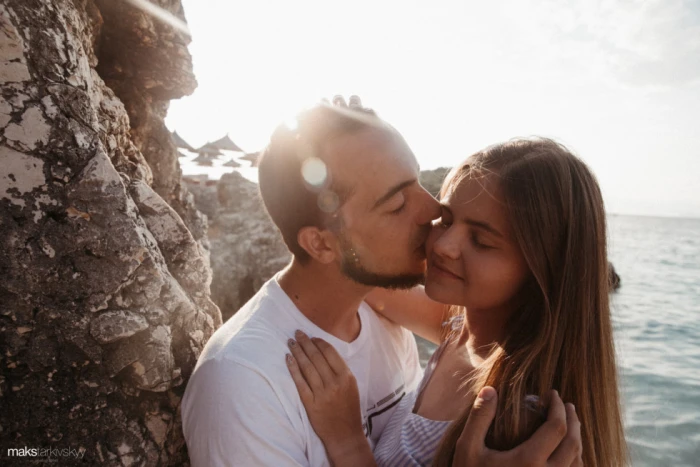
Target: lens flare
[
  {"x": 314, "y": 172},
  {"x": 328, "y": 202},
  {"x": 161, "y": 14}
]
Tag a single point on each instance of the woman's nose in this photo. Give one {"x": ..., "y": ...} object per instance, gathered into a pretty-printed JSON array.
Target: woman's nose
[{"x": 446, "y": 243}]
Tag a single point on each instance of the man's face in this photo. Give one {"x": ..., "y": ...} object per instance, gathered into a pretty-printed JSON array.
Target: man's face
[{"x": 386, "y": 220}]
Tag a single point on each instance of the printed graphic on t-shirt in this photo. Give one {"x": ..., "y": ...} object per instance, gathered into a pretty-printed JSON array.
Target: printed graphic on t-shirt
[{"x": 381, "y": 406}]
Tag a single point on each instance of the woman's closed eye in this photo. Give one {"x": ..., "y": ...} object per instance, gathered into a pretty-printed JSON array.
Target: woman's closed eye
[{"x": 478, "y": 242}]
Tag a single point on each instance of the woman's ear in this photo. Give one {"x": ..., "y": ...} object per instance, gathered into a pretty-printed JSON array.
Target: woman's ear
[{"x": 318, "y": 243}]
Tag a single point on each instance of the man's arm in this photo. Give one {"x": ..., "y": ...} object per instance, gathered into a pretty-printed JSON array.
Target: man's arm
[{"x": 232, "y": 416}]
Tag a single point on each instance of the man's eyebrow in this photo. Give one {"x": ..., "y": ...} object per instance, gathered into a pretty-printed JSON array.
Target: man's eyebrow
[{"x": 387, "y": 196}]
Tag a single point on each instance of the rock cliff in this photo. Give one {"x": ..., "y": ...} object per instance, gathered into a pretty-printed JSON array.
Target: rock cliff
[{"x": 104, "y": 298}]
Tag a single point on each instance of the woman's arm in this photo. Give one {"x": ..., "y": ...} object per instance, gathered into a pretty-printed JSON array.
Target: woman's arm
[{"x": 412, "y": 309}]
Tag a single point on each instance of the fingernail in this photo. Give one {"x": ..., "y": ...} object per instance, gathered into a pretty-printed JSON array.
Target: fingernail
[
  {"x": 487, "y": 393},
  {"x": 573, "y": 407},
  {"x": 299, "y": 334},
  {"x": 291, "y": 342},
  {"x": 289, "y": 359}
]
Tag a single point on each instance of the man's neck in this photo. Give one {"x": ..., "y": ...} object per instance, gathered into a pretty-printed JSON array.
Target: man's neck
[{"x": 325, "y": 296}]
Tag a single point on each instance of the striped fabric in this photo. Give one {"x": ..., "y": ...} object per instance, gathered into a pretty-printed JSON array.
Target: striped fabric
[{"x": 409, "y": 439}]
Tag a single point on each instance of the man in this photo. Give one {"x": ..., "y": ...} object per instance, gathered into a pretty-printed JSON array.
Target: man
[{"x": 342, "y": 187}]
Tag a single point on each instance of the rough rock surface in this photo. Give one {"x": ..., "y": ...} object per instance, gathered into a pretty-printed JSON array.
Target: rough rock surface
[
  {"x": 104, "y": 297},
  {"x": 246, "y": 248}
]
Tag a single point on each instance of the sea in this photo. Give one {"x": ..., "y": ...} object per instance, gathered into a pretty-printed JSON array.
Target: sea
[
  {"x": 656, "y": 313},
  {"x": 656, "y": 316}
]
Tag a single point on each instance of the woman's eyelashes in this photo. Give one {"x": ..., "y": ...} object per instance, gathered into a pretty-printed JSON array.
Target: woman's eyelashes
[
  {"x": 474, "y": 235},
  {"x": 477, "y": 242}
]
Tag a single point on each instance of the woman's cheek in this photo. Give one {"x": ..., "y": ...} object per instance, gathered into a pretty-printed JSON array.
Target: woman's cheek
[{"x": 490, "y": 279}]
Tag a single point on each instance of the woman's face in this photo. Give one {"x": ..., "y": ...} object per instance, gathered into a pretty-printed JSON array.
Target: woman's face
[{"x": 473, "y": 259}]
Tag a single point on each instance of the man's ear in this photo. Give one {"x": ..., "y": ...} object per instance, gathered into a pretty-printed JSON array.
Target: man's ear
[{"x": 318, "y": 243}]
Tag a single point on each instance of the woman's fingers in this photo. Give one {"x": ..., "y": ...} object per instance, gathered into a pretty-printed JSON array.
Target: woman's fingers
[
  {"x": 316, "y": 357},
  {"x": 307, "y": 368},
  {"x": 545, "y": 440},
  {"x": 335, "y": 361},
  {"x": 471, "y": 443},
  {"x": 339, "y": 101},
  {"x": 569, "y": 452},
  {"x": 305, "y": 392},
  {"x": 355, "y": 102}
]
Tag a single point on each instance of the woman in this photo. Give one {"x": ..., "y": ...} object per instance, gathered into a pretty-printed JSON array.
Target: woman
[{"x": 519, "y": 254}]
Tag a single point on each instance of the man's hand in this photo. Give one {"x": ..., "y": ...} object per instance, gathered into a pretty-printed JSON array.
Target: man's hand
[{"x": 557, "y": 443}]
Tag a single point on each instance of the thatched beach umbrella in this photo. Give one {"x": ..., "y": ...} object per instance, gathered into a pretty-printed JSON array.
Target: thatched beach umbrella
[
  {"x": 226, "y": 144},
  {"x": 207, "y": 154},
  {"x": 203, "y": 160},
  {"x": 252, "y": 157},
  {"x": 210, "y": 150},
  {"x": 181, "y": 143},
  {"x": 232, "y": 163}
]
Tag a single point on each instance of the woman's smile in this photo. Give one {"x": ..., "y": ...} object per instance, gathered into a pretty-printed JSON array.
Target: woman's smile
[{"x": 436, "y": 270}]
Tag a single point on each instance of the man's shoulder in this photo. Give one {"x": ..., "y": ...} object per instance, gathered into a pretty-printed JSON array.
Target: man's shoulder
[{"x": 252, "y": 340}]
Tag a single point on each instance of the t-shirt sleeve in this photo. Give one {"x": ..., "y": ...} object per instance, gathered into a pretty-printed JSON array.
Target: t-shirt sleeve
[
  {"x": 232, "y": 416},
  {"x": 412, "y": 369}
]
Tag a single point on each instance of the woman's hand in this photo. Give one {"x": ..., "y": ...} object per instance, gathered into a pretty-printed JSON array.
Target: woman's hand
[
  {"x": 557, "y": 443},
  {"x": 330, "y": 396}
]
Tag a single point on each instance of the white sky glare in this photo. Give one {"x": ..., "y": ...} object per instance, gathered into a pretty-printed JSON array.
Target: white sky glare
[{"x": 618, "y": 82}]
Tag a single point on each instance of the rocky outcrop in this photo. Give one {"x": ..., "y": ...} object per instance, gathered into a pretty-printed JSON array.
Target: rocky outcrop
[
  {"x": 104, "y": 298},
  {"x": 146, "y": 63},
  {"x": 246, "y": 247},
  {"x": 432, "y": 179}
]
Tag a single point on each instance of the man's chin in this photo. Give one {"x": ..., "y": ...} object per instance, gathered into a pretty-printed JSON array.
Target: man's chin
[{"x": 385, "y": 281}]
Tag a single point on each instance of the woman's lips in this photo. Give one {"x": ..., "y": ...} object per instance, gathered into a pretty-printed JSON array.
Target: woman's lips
[{"x": 444, "y": 272}]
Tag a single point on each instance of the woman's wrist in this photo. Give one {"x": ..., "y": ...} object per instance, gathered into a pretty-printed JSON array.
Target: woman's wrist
[{"x": 350, "y": 451}]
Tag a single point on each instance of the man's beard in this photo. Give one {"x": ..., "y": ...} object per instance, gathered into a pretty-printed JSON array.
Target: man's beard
[{"x": 352, "y": 268}]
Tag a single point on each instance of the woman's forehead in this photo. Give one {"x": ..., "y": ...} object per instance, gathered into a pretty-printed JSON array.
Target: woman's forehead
[
  {"x": 474, "y": 188},
  {"x": 478, "y": 196}
]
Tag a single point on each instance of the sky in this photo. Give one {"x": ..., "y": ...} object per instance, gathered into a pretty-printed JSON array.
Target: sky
[{"x": 618, "y": 82}]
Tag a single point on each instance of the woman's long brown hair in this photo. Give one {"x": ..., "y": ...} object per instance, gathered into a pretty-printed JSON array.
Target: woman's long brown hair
[{"x": 561, "y": 336}]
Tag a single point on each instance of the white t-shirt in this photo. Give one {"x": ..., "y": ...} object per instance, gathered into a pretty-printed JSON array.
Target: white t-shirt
[{"x": 241, "y": 407}]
